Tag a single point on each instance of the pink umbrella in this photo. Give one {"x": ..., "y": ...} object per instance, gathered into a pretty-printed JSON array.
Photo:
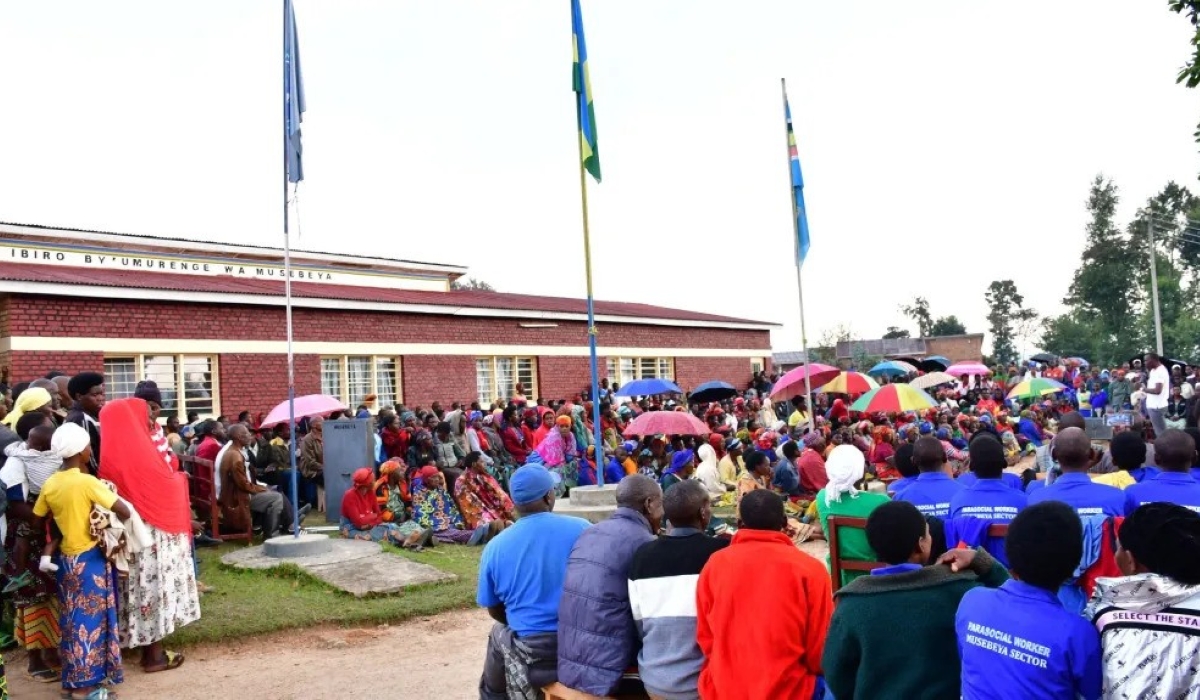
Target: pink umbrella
[
  {"x": 306, "y": 407},
  {"x": 964, "y": 368},
  {"x": 666, "y": 423},
  {"x": 792, "y": 383}
]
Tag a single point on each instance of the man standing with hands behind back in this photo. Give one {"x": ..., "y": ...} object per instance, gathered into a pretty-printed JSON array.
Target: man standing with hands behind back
[{"x": 1158, "y": 391}]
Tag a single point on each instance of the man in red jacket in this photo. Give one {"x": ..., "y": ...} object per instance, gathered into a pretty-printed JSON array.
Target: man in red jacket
[{"x": 767, "y": 644}]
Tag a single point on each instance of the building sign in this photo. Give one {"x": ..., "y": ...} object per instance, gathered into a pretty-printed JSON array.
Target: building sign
[{"x": 202, "y": 266}]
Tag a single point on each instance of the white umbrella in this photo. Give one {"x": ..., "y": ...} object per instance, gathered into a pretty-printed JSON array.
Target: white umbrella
[{"x": 928, "y": 381}]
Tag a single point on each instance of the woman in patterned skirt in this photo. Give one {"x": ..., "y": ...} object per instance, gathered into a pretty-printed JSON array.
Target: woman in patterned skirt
[
  {"x": 87, "y": 589},
  {"x": 160, "y": 593}
]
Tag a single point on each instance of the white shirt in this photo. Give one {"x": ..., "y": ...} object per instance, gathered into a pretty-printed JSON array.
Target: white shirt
[
  {"x": 1158, "y": 375},
  {"x": 1186, "y": 391}
]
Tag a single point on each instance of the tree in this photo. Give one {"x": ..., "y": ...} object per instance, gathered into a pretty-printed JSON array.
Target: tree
[
  {"x": 1005, "y": 309},
  {"x": 919, "y": 312},
  {"x": 826, "y": 350},
  {"x": 471, "y": 284},
  {"x": 1189, "y": 75},
  {"x": 895, "y": 332},
  {"x": 947, "y": 325}
]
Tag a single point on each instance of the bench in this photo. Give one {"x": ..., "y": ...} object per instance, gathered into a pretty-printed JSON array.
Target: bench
[
  {"x": 837, "y": 565},
  {"x": 206, "y": 501}
]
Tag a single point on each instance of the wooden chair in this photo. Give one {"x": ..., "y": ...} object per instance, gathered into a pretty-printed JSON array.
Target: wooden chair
[
  {"x": 837, "y": 565},
  {"x": 205, "y": 499}
]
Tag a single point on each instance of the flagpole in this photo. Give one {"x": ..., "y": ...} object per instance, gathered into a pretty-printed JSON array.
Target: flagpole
[
  {"x": 808, "y": 401},
  {"x": 597, "y": 434},
  {"x": 287, "y": 295}
]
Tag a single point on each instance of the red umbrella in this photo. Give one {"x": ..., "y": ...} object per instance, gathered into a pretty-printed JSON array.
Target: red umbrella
[
  {"x": 666, "y": 423},
  {"x": 792, "y": 383}
]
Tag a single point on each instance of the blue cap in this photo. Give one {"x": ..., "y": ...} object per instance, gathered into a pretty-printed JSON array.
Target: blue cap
[
  {"x": 530, "y": 483},
  {"x": 732, "y": 443},
  {"x": 926, "y": 427}
]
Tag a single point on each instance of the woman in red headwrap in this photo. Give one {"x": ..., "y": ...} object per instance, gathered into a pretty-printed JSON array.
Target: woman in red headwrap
[
  {"x": 362, "y": 518},
  {"x": 160, "y": 594}
]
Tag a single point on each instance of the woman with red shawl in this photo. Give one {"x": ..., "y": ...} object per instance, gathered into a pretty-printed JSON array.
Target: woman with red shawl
[{"x": 160, "y": 594}]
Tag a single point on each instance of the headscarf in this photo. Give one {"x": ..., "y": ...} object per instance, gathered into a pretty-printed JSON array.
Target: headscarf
[
  {"x": 845, "y": 467},
  {"x": 555, "y": 450},
  {"x": 388, "y": 467},
  {"x": 29, "y": 400},
  {"x": 133, "y": 463},
  {"x": 425, "y": 471},
  {"x": 362, "y": 477},
  {"x": 681, "y": 458},
  {"x": 811, "y": 439},
  {"x": 69, "y": 440}
]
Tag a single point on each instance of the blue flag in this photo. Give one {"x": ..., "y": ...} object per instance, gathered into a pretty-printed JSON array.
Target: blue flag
[
  {"x": 802, "y": 242},
  {"x": 293, "y": 95}
]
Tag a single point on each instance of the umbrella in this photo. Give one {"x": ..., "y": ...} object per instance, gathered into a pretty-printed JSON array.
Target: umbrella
[
  {"x": 935, "y": 363},
  {"x": 792, "y": 383},
  {"x": 849, "y": 383},
  {"x": 928, "y": 381},
  {"x": 892, "y": 368},
  {"x": 1033, "y": 388},
  {"x": 1045, "y": 357},
  {"x": 1079, "y": 361},
  {"x": 893, "y": 397},
  {"x": 1169, "y": 363},
  {"x": 649, "y": 387},
  {"x": 713, "y": 391},
  {"x": 962, "y": 368},
  {"x": 666, "y": 423},
  {"x": 306, "y": 407}
]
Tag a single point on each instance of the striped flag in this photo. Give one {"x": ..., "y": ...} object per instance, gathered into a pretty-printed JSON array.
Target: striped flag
[
  {"x": 802, "y": 242},
  {"x": 583, "y": 91},
  {"x": 293, "y": 95}
]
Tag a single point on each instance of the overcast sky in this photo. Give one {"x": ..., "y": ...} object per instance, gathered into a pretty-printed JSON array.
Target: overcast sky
[{"x": 945, "y": 144}]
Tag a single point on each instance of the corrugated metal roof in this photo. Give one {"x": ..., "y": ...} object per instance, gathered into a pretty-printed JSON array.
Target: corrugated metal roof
[{"x": 223, "y": 284}]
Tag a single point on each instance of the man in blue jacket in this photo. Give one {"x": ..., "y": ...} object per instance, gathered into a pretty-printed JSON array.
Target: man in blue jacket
[{"x": 597, "y": 637}]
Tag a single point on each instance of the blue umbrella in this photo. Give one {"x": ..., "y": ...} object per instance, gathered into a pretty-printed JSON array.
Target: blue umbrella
[
  {"x": 713, "y": 391},
  {"x": 894, "y": 369},
  {"x": 649, "y": 387},
  {"x": 940, "y": 359}
]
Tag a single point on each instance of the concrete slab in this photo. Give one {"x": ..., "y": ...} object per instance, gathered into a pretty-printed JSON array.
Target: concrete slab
[
  {"x": 594, "y": 495},
  {"x": 354, "y": 566},
  {"x": 304, "y": 545},
  {"x": 591, "y": 513}
]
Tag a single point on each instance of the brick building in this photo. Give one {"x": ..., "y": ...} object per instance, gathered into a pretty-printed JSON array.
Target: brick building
[{"x": 209, "y": 318}]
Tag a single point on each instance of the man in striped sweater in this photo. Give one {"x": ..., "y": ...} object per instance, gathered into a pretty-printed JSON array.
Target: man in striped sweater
[{"x": 662, "y": 593}]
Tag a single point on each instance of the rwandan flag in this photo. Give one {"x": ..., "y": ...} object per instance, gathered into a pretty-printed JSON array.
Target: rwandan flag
[
  {"x": 583, "y": 91},
  {"x": 802, "y": 243},
  {"x": 293, "y": 94}
]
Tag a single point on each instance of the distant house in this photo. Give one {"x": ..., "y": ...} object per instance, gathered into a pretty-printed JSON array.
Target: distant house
[{"x": 967, "y": 347}]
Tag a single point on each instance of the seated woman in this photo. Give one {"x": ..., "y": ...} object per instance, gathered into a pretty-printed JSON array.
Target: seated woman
[
  {"x": 480, "y": 497},
  {"x": 392, "y": 493},
  {"x": 434, "y": 510},
  {"x": 846, "y": 467},
  {"x": 560, "y": 453},
  {"x": 363, "y": 520}
]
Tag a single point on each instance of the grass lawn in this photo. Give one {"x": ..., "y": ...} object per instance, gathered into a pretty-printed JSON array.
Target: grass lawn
[{"x": 257, "y": 602}]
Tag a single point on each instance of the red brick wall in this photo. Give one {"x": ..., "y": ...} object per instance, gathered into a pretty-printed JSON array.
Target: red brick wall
[
  {"x": 564, "y": 377},
  {"x": 27, "y": 365},
  {"x": 258, "y": 383},
  {"x": 445, "y": 378},
  {"x": 957, "y": 348},
  {"x": 693, "y": 371},
  {"x": 116, "y": 318}
]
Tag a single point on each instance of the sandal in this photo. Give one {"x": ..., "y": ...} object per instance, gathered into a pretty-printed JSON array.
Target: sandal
[
  {"x": 415, "y": 548},
  {"x": 174, "y": 661},
  {"x": 45, "y": 675}
]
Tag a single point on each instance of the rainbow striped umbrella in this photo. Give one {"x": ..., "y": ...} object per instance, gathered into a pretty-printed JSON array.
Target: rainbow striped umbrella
[
  {"x": 849, "y": 383},
  {"x": 1033, "y": 388},
  {"x": 893, "y": 397}
]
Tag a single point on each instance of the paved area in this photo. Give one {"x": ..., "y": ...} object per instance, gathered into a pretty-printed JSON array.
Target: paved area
[{"x": 357, "y": 567}]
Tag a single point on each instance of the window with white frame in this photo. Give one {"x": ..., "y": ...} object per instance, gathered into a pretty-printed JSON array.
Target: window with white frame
[
  {"x": 352, "y": 378},
  {"x": 757, "y": 364},
  {"x": 187, "y": 382},
  {"x": 622, "y": 370},
  {"x": 496, "y": 378}
]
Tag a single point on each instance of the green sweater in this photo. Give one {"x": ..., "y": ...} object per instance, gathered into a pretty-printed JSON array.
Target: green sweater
[{"x": 892, "y": 636}]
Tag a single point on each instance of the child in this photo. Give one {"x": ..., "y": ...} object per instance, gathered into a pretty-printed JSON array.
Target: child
[
  {"x": 90, "y": 650},
  {"x": 863, "y": 657},
  {"x": 1018, "y": 641},
  {"x": 1128, "y": 453}
]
